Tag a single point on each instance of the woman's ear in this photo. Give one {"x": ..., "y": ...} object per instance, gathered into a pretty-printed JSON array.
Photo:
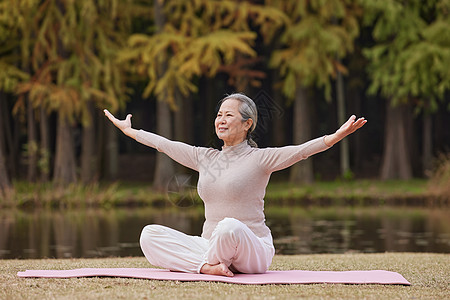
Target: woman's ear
[{"x": 249, "y": 123}]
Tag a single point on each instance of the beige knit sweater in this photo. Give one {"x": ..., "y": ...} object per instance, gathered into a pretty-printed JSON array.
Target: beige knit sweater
[{"x": 232, "y": 182}]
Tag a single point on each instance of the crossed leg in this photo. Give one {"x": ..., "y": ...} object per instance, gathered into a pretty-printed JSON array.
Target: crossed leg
[{"x": 233, "y": 247}]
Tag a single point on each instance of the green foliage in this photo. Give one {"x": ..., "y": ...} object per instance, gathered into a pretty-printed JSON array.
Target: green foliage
[
  {"x": 410, "y": 59},
  {"x": 185, "y": 57},
  {"x": 200, "y": 38},
  {"x": 10, "y": 76},
  {"x": 10, "y": 22},
  {"x": 70, "y": 54},
  {"x": 319, "y": 34}
]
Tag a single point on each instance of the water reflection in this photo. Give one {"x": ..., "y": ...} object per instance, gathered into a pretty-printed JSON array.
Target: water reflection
[
  {"x": 339, "y": 230},
  {"x": 101, "y": 233}
]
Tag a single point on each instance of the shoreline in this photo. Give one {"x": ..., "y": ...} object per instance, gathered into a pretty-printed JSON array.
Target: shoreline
[{"x": 414, "y": 193}]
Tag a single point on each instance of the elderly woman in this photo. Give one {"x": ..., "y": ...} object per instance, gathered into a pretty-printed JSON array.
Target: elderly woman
[{"x": 232, "y": 184}]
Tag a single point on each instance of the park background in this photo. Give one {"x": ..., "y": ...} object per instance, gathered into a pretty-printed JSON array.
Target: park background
[{"x": 308, "y": 65}]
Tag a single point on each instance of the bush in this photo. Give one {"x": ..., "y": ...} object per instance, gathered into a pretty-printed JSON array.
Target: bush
[{"x": 439, "y": 183}]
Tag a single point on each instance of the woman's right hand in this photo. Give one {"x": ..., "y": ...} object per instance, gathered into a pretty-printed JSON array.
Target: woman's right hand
[
  {"x": 121, "y": 124},
  {"x": 124, "y": 125}
]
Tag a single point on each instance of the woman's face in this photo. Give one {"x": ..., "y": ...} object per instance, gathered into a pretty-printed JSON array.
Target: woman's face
[{"x": 229, "y": 126}]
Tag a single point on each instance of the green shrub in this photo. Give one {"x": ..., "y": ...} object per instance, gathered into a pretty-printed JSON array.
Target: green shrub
[{"x": 439, "y": 183}]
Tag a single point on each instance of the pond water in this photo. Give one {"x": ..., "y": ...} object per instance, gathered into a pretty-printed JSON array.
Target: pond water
[{"x": 115, "y": 232}]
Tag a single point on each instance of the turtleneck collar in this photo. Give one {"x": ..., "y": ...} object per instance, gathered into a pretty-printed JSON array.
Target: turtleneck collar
[{"x": 236, "y": 148}]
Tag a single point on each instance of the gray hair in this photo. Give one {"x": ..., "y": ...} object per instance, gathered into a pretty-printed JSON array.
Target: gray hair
[{"x": 248, "y": 110}]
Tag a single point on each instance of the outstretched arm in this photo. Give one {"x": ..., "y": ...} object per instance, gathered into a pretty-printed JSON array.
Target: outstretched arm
[
  {"x": 183, "y": 153},
  {"x": 347, "y": 128},
  {"x": 275, "y": 159},
  {"x": 124, "y": 125}
]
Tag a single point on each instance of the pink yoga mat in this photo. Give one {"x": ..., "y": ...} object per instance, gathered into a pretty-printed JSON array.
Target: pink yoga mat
[{"x": 270, "y": 277}]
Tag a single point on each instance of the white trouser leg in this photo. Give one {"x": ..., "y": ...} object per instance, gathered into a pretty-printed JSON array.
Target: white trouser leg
[
  {"x": 235, "y": 245},
  {"x": 171, "y": 249}
]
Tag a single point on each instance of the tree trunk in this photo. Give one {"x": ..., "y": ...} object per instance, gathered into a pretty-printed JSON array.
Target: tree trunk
[
  {"x": 14, "y": 147},
  {"x": 45, "y": 146},
  {"x": 88, "y": 157},
  {"x": 357, "y": 156},
  {"x": 183, "y": 123},
  {"x": 188, "y": 113},
  {"x": 65, "y": 167},
  {"x": 279, "y": 127},
  {"x": 65, "y": 164},
  {"x": 112, "y": 152},
  {"x": 396, "y": 157},
  {"x": 164, "y": 169},
  {"x": 302, "y": 172},
  {"x": 343, "y": 145},
  {"x": 2, "y": 123},
  {"x": 427, "y": 144},
  {"x": 12, "y": 137},
  {"x": 32, "y": 145},
  {"x": 101, "y": 141},
  {"x": 208, "y": 106},
  {"x": 5, "y": 184}
]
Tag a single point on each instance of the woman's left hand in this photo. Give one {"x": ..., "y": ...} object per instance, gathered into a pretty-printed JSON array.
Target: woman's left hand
[
  {"x": 350, "y": 126},
  {"x": 347, "y": 128}
]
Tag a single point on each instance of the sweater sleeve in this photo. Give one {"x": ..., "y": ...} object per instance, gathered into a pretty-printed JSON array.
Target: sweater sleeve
[
  {"x": 182, "y": 153},
  {"x": 275, "y": 159}
]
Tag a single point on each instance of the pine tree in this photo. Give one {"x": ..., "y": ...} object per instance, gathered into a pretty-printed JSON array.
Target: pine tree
[
  {"x": 71, "y": 53},
  {"x": 407, "y": 67},
  {"x": 319, "y": 34},
  {"x": 10, "y": 77}
]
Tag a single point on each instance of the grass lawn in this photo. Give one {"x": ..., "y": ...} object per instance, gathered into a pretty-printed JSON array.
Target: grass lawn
[{"x": 428, "y": 274}]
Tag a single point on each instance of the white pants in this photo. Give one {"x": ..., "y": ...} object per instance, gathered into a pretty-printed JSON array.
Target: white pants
[{"x": 231, "y": 243}]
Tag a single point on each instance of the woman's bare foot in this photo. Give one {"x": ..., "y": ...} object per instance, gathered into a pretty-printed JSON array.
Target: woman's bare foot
[{"x": 219, "y": 269}]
